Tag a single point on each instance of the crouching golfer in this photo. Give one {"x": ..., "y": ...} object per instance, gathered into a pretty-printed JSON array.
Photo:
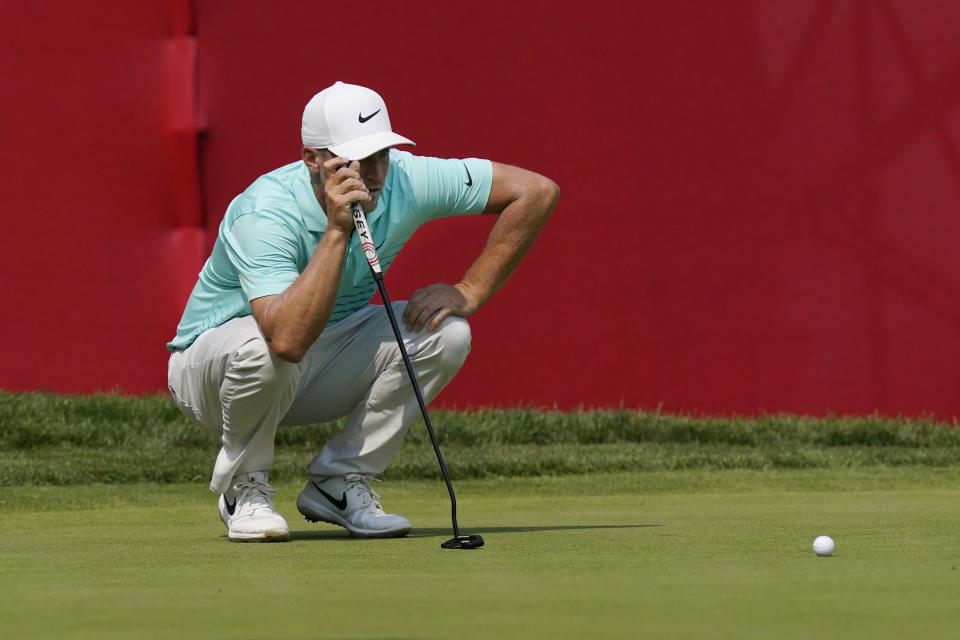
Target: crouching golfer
[{"x": 279, "y": 330}]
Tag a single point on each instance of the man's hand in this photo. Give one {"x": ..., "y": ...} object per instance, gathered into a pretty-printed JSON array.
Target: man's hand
[
  {"x": 435, "y": 303},
  {"x": 342, "y": 186}
]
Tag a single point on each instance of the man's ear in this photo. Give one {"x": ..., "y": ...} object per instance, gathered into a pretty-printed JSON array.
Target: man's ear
[{"x": 313, "y": 159}]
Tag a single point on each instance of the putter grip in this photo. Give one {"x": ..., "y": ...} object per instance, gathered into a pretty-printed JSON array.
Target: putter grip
[{"x": 366, "y": 240}]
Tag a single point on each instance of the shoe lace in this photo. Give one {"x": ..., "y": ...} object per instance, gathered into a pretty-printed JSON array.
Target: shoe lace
[
  {"x": 253, "y": 495},
  {"x": 366, "y": 491}
]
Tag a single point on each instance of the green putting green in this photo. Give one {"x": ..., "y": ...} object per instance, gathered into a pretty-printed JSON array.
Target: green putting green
[{"x": 685, "y": 554}]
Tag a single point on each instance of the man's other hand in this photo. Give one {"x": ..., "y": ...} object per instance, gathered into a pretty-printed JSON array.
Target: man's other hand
[{"x": 434, "y": 303}]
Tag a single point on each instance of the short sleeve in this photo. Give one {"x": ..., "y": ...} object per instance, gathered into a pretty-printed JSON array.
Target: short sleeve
[
  {"x": 449, "y": 187},
  {"x": 264, "y": 253}
]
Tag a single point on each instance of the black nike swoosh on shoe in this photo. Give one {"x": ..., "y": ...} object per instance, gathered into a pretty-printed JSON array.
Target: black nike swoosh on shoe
[
  {"x": 339, "y": 504},
  {"x": 363, "y": 118},
  {"x": 230, "y": 507},
  {"x": 469, "y": 181}
]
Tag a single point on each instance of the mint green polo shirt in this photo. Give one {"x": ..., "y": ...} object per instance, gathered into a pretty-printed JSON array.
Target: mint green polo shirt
[{"x": 270, "y": 231}]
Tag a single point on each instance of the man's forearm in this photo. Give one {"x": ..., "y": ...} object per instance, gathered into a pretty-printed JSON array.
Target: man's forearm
[
  {"x": 514, "y": 232},
  {"x": 293, "y": 320},
  {"x": 523, "y": 201}
]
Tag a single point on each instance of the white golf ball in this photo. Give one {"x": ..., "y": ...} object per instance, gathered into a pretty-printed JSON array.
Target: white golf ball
[{"x": 823, "y": 546}]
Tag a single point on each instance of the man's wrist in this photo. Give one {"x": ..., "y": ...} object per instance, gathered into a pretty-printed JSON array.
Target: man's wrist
[
  {"x": 470, "y": 295},
  {"x": 336, "y": 234}
]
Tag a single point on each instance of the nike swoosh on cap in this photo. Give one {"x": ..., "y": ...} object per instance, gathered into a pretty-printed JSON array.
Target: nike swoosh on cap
[
  {"x": 469, "y": 181},
  {"x": 339, "y": 504},
  {"x": 363, "y": 118}
]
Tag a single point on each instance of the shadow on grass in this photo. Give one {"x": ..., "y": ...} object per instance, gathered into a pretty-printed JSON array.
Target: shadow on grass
[{"x": 341, "y": 534}]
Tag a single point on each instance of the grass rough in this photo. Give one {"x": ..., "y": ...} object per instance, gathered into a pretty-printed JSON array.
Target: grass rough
[{"x": 57, "y": 439}]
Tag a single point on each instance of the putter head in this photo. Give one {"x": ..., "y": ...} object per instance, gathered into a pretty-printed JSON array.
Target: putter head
[{"x": 463, "y": 542}]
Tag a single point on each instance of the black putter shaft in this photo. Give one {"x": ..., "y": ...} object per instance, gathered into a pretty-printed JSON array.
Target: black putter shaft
[{"x": 370, "y": 252}]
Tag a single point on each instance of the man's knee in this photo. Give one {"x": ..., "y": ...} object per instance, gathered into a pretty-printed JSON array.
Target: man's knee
[
  {"x": 256, "y": 362},
  {"x": 455, "y": 338}
]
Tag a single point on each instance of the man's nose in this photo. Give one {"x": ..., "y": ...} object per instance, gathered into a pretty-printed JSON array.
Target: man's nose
[{"x": 374, "y": 171}]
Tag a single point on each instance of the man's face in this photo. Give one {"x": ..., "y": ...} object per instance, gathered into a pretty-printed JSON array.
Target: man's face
[{"x": 373, "y": 172}]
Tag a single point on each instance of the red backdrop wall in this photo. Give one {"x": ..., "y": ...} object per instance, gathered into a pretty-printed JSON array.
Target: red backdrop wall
[
  {"x": 100, "y": 198},
  {"x": 759, "y": 209}
]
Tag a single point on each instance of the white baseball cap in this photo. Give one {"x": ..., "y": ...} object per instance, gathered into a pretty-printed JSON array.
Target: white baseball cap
[{"x": 349, "y": 120}]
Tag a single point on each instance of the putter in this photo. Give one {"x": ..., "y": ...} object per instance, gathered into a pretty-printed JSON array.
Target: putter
[{"x": 370, "y": 252}]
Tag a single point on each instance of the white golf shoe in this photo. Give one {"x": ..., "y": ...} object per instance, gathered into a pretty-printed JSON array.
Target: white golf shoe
[
  {"x": 247, "y": 510},
  {"x": 350, "y": 502}
]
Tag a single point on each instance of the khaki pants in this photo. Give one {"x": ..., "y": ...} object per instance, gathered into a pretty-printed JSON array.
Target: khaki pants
[{"x": 230, "y": 381}]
